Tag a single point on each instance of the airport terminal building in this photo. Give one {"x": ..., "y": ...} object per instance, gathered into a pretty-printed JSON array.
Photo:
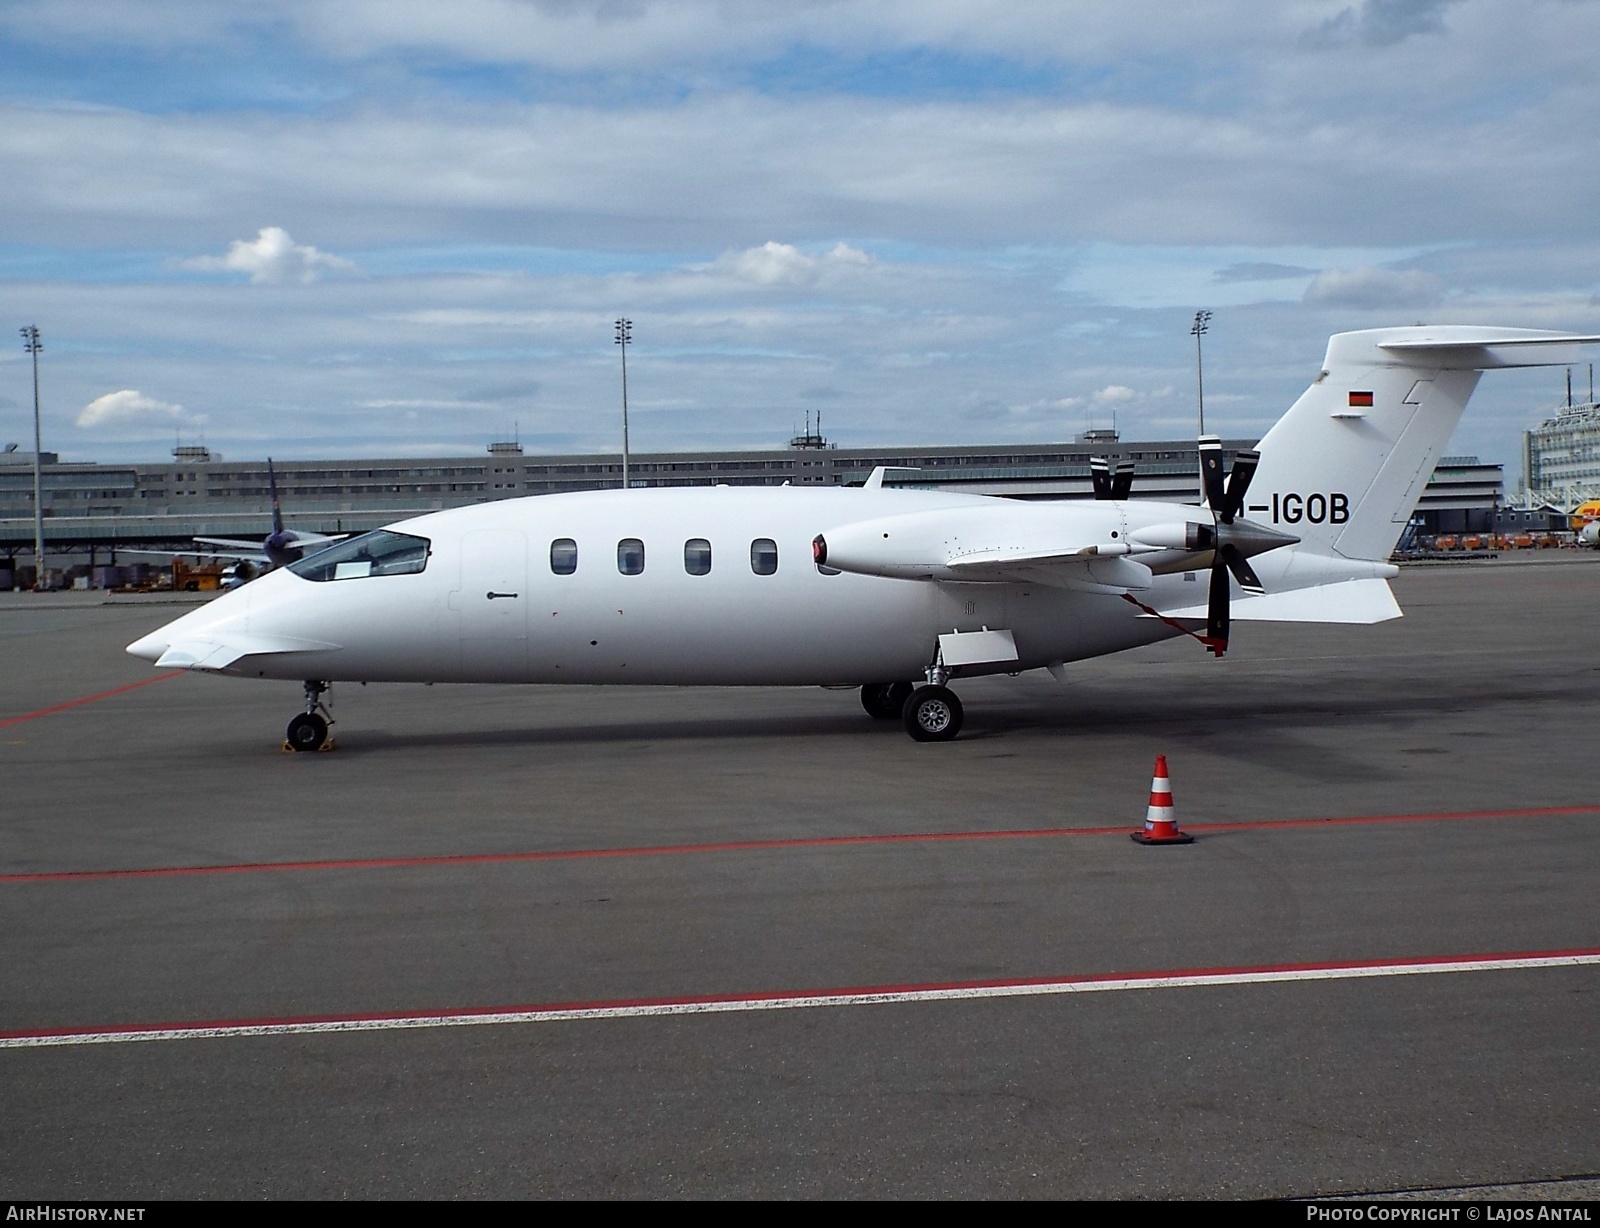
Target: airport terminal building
[
  {"x": 1561, "y": 457},
  {"x": 196, "y": 492},
  {"x": 91, "y": 510}
]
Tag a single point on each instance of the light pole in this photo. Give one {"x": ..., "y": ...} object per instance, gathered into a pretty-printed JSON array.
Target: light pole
[
  {"x": 624, "y": 335},
  {"x": 1202, "y": 320},
  {"x": 32, "y": 345}
]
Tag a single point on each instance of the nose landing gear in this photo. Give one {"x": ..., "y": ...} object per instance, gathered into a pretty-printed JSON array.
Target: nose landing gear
[{"x": 309, "y": 730}]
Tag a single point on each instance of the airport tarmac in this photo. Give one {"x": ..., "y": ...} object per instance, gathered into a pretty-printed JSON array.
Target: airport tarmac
[{"x": 788, "y": 952}]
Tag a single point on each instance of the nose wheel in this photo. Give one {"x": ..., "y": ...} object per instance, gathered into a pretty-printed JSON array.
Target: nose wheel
[{"x": 309, "y": 730}]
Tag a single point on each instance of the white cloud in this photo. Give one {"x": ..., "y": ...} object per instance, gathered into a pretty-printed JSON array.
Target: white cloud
[
  {"x": 782, "y": 264},
  {"x": 422, "y": 403},
  {"x": 273, "y": 258},
  {"x": 129, "y": 406},
  {"x": 1369, "y": 286},
  {"x": 1038, "y": 236},
  {"x": 1115, "y": 394}
]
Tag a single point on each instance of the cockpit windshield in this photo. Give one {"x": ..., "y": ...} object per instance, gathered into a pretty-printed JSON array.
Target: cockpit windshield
[{"x": 372, "y": 554}]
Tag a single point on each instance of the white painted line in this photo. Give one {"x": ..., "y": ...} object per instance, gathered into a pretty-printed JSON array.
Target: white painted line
[{"x": 780, "y": 1002}]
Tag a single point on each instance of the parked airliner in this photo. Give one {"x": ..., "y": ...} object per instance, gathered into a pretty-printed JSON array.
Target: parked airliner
[
  {"x": 895, "y": 591},
  {"x": 278, "y": 549}
]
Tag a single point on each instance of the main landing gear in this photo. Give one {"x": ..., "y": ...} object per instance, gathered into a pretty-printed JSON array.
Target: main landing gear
[
  {"x": 885, "y": 701},
  {"x": 309, "y": 730},
  {"x": 930, "y": 713}
]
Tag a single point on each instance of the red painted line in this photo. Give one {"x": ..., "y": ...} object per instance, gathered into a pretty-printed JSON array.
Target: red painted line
[
  {"x": 745, "y": 846},
  {"x": 87, "y": 699},
  {"x": 778, "y": 999}
]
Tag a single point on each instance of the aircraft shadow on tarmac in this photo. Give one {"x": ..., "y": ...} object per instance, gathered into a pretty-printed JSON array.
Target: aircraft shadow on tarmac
[{"x": 1237, "y": 724}]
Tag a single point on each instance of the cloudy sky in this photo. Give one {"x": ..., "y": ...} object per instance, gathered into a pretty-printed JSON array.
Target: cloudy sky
[{"x": 380, "y": 227}]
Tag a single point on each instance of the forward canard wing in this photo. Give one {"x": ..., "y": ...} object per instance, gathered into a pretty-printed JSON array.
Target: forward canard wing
[{"x": 210, "y": 654}]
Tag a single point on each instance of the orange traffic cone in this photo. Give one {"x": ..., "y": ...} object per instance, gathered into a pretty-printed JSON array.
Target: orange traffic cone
[{"x": 1160, "y": 823}]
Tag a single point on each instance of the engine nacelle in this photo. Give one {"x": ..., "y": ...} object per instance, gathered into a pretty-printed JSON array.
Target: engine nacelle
[
  {"x": 1176, "y": 535},
  {"x": 923, "y": 545}
]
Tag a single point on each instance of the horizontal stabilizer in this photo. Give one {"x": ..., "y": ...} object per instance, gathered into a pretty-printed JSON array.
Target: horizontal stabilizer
[
  {"x": 1353, "y": 601},
  {"x": 233, "y": 542},
  {"x": 252, "y": 556},
  {"x": 1464, "y": 347}
]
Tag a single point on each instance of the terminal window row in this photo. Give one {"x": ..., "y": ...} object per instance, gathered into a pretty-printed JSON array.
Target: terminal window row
[{"x": 696, "y": 556}]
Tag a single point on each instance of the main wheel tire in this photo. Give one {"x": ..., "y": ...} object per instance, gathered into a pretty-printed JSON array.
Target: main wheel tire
[
  {"x": 932, "y": 714},
  {"x": 308, "y": 731},
  {"x": 884, "y": 701}
]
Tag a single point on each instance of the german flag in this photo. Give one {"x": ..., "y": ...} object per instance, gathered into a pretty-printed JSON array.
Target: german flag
[{"x": 1360, "y": 400}]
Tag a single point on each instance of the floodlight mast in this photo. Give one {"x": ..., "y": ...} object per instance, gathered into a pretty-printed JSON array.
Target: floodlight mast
[
  {"x": 623, "y": 336},
  {"x": 32, "y": 345},
  {"x": 1202, "y": 320}
]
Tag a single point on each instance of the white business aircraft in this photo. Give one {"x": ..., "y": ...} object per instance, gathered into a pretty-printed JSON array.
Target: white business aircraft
[{"x": 878, "y": 588}]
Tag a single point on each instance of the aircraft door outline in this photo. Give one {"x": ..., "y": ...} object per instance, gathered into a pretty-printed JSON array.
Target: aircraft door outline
[{"x": 492, "y": 599}]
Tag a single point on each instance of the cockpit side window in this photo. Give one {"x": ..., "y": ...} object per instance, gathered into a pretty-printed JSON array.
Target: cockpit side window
[{"x": 372, "y": 554}]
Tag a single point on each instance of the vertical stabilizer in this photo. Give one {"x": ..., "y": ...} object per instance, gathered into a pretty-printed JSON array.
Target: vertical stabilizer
[
  {"x": 1344, "y": 468},
  {"x": 277, "y": 512}
]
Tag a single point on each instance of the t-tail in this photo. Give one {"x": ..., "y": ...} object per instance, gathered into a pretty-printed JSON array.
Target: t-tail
[{"x": 1343, "y": 469}]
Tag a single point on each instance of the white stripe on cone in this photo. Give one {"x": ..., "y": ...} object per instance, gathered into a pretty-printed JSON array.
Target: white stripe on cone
[{"x": 1161, "y": 820}]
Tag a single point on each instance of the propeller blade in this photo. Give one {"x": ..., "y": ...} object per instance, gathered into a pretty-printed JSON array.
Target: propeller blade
[
  {"x": 1217, "y": 610},
  {"x": 1100, "y": 476},
  {"x": 1244, "y": 468},
  {"x": 1235, "y": 561},
  {"x": 1122, "y": 481},
  {"x": 1211, "y": 471}
]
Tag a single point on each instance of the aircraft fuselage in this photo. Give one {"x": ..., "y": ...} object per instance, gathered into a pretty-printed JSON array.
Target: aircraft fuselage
[{"x": 491, "y": 605}]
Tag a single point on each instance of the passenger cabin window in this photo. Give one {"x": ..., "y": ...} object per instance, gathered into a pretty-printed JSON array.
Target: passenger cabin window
[
  {"x": 563, "y": 556},
  {"x": 630, "y": 556},
  {"x": 763, "y": 556},
  {"x": 697, "y": 556},
  {"x": 372, "y": 554}
]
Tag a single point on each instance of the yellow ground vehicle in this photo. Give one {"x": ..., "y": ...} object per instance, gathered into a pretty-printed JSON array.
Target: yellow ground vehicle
[{"x": 203, "y": 579}]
